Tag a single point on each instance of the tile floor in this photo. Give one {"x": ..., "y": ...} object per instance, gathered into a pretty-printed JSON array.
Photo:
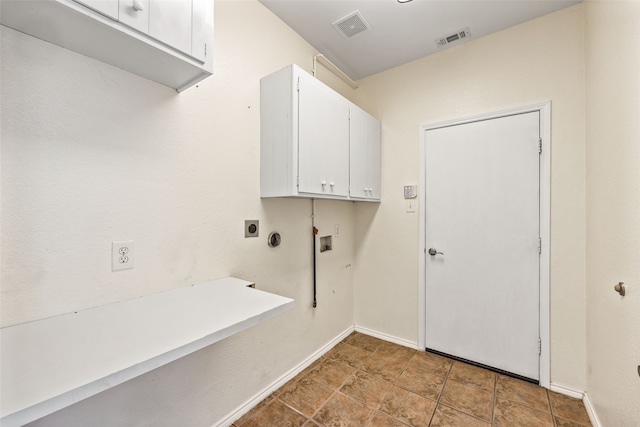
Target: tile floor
[{"x": 364, "y": 381}]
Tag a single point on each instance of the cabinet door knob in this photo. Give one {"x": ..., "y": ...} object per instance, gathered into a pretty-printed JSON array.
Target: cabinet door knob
[
  {"x": 333, "y": 184},
  {"x": 323, "y": 183},
  {"x": 138, "y": 6}
]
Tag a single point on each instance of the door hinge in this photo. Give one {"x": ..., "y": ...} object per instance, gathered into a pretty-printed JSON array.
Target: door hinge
[
  {"x": 540, "y": 145},
  {"x": 205, "y": 50},
  {"x": 298, "y": 182},
  {"x": 539, "y": 346},
  {"x": 298, "y": 84},
  {"x": 539, "y": 245}
]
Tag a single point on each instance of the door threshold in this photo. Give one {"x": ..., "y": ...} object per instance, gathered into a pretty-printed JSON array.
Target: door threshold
[{"x": 480, "y": 365}]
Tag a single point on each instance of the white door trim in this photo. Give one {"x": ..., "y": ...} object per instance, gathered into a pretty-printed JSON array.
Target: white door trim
[{"x": 545, "y": 225}]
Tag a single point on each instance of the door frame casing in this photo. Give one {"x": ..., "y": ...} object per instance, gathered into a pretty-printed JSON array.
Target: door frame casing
[{"x": 545, "y": 225}]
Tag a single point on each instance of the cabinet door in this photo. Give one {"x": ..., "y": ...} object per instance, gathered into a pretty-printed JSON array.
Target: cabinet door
[
  {"x": 135, "y": 13},
  {"x": 201, "y": 29},
  {"x": 106, "y": 7},
  {"x": 170, "y": 22},
  {"x": 364, "y": 155},
  {"x": 323, "y": 139}
]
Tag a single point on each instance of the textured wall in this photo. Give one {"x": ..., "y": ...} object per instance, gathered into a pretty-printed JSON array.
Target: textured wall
[
  {"x": 613, "y": 210},
  {"x": 92, "y": 154},
  {"x": 530, "y": 63}
]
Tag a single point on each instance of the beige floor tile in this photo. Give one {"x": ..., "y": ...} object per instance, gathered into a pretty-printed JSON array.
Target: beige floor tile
[
  {"x": 561, "y": 422},
  {"x": 449, "y": 417},
  {"x": 253, "y": 412},
  {"x": 421, "y": 382},
  {"x": 352, "y": 355},
  {"x": 471, "y": 401},
  {"x": 332, "y": 373},
  {"x": 276, "y": 414},
  {"x": 430, "y": 362},
  {"x": 341, "y": 411},
  {"x": 381, "y": 419},
  {"x": 522, "y": 392},
  {"x": 568, "y": 408},
  {"x": 511, "y": 414},
  {"x": 366, "y": 388},
  {"x": 364, "y": 381},
  {"x": 473, "y": 376},
  {"x": 388, "y": 368},
  {"x": 365, "y": 342},
  {"x": 408, "y": 407},
  {"x": 306, "y": 396},
  {"x": 395, "y": 350}
]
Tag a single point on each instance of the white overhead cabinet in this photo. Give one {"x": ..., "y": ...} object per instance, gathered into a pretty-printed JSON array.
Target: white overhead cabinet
[
  {"x": 308, "y": 136},
  {"x": 323, "y": 139},
  {"x": 168, "y": 41},
  {"x": 105, "y": 7},
  {"x": 365, "y": 149}
]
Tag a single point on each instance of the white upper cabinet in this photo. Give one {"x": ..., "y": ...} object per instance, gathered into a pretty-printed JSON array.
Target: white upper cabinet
[
  {"x": 365, "y": 155},
  {"x": 135, "y": 13},
  {"x": 305, "y": 140},
  {"x": 170, "y": 22},
  {"x": 168, "y": 41},
  {"x": 323, "y": 139},
  {"x": 106, "y": 7},
  {"x": 201, "y": 29}
]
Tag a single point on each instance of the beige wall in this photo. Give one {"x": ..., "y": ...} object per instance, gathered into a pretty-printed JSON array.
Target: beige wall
[
  {"x": 613, "y": 210},
  {"x": 92, "y": 154},
  {"x": 534, "y": 62}
]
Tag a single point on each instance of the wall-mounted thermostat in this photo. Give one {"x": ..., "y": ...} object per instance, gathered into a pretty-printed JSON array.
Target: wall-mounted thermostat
[{"x": 410, "y": 191}]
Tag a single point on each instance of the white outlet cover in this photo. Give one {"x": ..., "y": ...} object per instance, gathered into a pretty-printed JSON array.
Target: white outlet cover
[{"x": 122, "y": 255}]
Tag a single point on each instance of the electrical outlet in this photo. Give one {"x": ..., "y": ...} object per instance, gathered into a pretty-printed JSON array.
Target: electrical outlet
[
  {"x": 251, "y": 228},
  {"x": 411, "y": 205},
  {"x": 121, "y": 255}
]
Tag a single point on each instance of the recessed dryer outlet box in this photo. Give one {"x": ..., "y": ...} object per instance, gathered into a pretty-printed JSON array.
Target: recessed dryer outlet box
[
  {"x": 251, "y": 227},
  {"x": 325, "y": 243}
]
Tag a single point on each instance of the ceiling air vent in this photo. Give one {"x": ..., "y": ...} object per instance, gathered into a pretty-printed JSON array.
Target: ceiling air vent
[
  {"x": 452, "y": 38},
  {"x": 352, "y": 25}
]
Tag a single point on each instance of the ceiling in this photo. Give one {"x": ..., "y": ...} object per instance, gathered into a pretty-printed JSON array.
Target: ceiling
[{"x": 399, "y": 32}]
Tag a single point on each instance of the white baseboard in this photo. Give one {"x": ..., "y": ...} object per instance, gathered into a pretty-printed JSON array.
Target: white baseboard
[
  {"x": 567, "y": 391},
  {"x": 382, "y": 336},
  {"x": 247, "y": 406},
  {"x": 595, "y": 422}
]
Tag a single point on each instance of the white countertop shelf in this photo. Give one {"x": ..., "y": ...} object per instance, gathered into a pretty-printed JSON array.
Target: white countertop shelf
[{"x": 52, "y": 363}]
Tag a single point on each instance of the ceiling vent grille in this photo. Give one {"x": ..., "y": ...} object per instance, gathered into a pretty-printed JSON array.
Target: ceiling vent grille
[
  {"x": 352, "y": 25},
  {"x": 452, "y": 38}
]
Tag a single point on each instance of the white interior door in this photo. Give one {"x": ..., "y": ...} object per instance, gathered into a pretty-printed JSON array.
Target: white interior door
[{"x": 482, "y": 212}]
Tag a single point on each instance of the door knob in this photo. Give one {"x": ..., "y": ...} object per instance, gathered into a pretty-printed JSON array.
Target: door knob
[
  {"x": 619, "y": 288},
  {"x": 138, "y": 6},
  {"x": 434, "y": 252}
]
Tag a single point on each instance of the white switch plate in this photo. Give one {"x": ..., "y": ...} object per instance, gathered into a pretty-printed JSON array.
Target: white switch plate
[
  {"x": 411, "y": 205},
  {"x": 122, "y": 255}
]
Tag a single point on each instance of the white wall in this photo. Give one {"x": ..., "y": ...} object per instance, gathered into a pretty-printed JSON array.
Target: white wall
[
  {"x": 92, "y": 154},
  {"x": 530, "y": 63},
  {"x": 613, "y": 210}
]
